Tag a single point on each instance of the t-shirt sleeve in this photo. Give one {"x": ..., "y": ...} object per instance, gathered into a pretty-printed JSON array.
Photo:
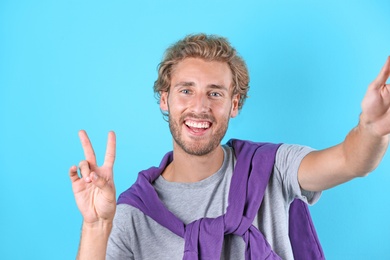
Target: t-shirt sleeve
[
  {"x": 119, "y": 243},
  {"x": 287, "y": 162}
]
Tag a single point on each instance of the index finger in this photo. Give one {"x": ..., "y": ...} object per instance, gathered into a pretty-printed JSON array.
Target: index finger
[
  {"x": 109, "y": 159},
  {"x": 383, "y": 75},
  {"x": 87, "y": 147}
]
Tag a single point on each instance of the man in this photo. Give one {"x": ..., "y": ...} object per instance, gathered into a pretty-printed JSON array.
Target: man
[{"x": 202, "y": 83}]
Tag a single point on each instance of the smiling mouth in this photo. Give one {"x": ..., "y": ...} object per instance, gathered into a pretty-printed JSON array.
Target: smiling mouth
[{"x": 197, "y": 126}]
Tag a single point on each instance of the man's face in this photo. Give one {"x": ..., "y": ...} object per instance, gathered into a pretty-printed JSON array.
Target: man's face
[{"x": 200, "y": 103}]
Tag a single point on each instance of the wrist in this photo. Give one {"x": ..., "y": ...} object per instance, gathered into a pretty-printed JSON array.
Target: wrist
[
  {"x": 370, "y": 133},
  {"x": 94, "y": 238},
  {"x": 369, "y": 128},
  {"x": 97, "y": 226},
  {"x": 98, "y": 229}
]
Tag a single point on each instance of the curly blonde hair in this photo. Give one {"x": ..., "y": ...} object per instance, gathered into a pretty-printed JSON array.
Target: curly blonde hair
[{"x": 209, "y": 48}]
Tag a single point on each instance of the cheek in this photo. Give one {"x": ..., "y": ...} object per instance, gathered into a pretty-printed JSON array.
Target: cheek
[
  {"x": 222, "y": 111},
  {"x": 177, "y": 104}
]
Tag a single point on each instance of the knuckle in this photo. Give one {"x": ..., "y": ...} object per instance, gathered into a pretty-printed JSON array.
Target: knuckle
[
  {"x": 110, "y": 155},
  {"x": 83, "y": 164},
  {"x": 84, "y": 168}
]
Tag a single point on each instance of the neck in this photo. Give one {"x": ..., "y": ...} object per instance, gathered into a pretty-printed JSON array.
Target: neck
[{"x": 188, "y": 168}]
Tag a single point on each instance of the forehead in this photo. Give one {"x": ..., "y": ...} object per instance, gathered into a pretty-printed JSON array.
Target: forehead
[{"x": 202, "y": 71}]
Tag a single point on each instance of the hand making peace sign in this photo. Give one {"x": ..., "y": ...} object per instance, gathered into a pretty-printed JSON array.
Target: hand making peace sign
[
  {"x": 376, "y": 103},
  {"x": 95, "y": 190}
]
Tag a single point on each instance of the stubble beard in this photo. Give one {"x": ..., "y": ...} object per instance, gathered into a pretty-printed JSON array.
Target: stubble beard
[{"x": 197, "y": 147}]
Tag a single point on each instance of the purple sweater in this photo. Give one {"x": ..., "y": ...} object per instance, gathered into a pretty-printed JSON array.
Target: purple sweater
[{"x": 204, "y": 237}]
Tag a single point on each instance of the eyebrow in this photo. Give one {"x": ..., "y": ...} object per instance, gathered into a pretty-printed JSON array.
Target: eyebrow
[
  {"x": 184, "y": 84},
  {"x": 190, "y": 84},
  {"x": 215, "y": 86}
]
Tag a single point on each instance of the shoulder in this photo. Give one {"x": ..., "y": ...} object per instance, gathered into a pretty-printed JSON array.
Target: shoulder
[
  {"x": 288, "y": 154},
  {"x": 127, "y": 217},
  {"x": 288, "y": 159},
  {"x": 124, "y": 215},
  {"x": 129, "y": 220}
]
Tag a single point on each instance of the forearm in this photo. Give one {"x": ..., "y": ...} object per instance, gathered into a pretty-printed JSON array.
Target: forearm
[
  {"x": 93, "y": 242},
  {"x": 359, "y": 154}
]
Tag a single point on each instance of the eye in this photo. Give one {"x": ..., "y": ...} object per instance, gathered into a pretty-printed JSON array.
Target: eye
[
  {"x": 215, "y": 94},
  {"x": 185, "y": 91}
]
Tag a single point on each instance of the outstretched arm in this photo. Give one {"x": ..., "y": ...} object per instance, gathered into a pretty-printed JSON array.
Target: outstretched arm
[
  {"x": 95, "y": 197},
  {"x": 362, "y": 149}
]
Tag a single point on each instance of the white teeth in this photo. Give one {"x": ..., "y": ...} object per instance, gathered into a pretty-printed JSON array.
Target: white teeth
[{"x": 197, "y": 124}]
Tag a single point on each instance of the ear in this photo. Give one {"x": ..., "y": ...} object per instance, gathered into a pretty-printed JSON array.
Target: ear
[
  {"x": 235, "y": 101},
  {"x": 164, "y": 100}
]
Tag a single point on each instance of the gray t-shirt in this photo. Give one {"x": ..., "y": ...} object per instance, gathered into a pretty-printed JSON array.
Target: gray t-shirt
[{"x": 136, "y": 236}]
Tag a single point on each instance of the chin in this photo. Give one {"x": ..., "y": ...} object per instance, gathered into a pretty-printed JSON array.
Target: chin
[{"x": 197, "y": 148}]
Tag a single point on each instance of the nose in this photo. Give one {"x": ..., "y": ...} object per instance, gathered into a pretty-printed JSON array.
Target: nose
[{"x": 200, "y": 104}]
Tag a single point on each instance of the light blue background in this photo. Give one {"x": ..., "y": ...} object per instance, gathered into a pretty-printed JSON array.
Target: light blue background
[{"x": 70, "y": 65}]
